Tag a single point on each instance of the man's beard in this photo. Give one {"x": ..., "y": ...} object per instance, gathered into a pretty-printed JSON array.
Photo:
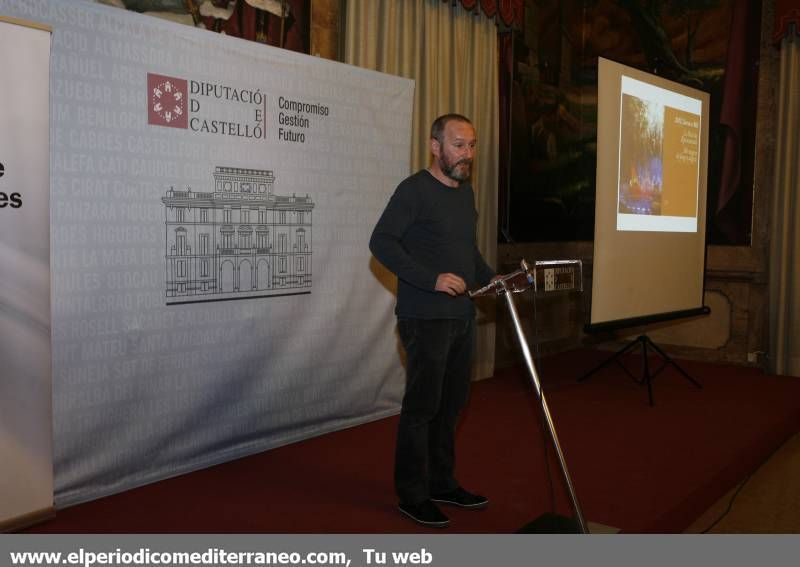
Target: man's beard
[{"x": 452, "y": 171}]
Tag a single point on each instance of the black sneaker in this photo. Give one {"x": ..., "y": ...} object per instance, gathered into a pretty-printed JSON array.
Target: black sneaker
[
  {"x": 462, "y": 498},
  {"x": 425, "y": 513}
]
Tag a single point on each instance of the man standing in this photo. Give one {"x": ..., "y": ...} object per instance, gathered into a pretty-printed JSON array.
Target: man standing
[{"x": 426, "y": 236}]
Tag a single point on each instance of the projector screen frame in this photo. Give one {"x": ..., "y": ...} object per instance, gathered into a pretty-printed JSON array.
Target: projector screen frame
[
  {"x": 609, "y": 160},
  {"x": 605, "y": 326}
]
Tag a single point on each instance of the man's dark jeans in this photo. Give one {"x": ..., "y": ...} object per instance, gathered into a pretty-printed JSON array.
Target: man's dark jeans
[{"x": 439, "y": 353}]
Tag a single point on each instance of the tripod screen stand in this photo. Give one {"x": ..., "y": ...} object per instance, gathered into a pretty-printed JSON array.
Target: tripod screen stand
[
  {"x": 557, "y": 276},
  {"x": 646, "y": 377}
]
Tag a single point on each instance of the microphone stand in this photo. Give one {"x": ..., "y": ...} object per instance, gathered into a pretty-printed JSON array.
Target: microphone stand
[{"x": 508, "y": 285}]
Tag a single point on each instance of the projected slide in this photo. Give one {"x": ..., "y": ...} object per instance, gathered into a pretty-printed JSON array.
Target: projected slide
[{"x": 658, "y": 174}]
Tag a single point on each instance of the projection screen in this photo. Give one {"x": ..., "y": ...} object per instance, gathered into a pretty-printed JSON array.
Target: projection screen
[{"x": 650, "y": 211}]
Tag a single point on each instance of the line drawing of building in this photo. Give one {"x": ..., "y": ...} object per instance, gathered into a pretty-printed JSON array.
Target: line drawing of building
[{"x": 241, "y": 240}]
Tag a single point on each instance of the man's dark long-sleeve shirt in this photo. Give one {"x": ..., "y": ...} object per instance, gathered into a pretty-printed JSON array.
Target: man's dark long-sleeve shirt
[{"x": 427, "y": 229}]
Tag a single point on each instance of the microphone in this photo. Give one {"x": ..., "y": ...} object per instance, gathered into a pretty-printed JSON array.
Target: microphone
[
  {"x": 508, "y": 282},
  {"x": 543, "y": 276}
]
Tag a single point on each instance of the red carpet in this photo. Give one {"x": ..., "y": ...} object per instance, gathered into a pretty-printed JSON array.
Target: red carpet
[{"x": 639, "y": 468}]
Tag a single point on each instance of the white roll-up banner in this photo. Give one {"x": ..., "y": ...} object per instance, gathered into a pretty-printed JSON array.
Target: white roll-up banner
[
  {"x": 26, "y": 440},
  {"x": 212, "y": 201}
]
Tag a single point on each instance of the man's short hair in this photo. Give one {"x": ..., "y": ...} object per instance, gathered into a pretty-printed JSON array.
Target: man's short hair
[{"x": 437, "y": 128}]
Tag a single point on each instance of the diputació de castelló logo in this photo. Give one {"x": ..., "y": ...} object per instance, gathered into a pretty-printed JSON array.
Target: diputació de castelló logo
[{"x": 167, "y": 101}]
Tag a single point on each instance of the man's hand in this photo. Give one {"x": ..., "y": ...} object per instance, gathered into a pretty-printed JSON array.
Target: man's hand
[{"x": 451, "y": 284}]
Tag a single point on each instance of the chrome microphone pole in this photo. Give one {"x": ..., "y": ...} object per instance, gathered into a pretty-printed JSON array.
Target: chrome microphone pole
[{"x": 508, "y": 285}]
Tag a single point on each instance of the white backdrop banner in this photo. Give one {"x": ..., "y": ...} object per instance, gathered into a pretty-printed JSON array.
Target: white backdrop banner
[
  {"x": 26, "y": 475},
  {"x": 212, "y": 200}
]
